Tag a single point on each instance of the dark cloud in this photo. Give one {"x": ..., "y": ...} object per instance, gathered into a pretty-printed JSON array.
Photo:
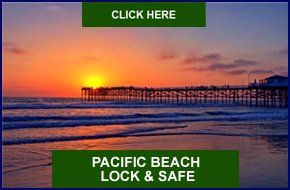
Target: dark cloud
[
  {"x": 236, "y": 67},
  {"x": 220, "y": 66},
  {"x": 244, "y": 62},
  {"x": 205, "y": 58},
  {"x": 167, "y": 56},
  {"x": 212, "y": 63},
  {"x": 236, "y": 64},
  {"x": 261, "y": 71},
  {"x": 212, "y": 56},
  {"x": 255, "y": 72},
  {"x": 227, "y": 70},
  {"x": 237, "y": 72},
  {"x": 13, "y": 48}
]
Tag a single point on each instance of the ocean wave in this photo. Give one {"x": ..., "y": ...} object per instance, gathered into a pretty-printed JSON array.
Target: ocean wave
[
  {"x": 139, "y": 118},
  {"x": 138, "y": 134},
  {"x": 93, "y": 105},
  {"x": 123, "y": 116},
  {"x": 109, "y": 117},
  {"x": 86, "y": 137}
]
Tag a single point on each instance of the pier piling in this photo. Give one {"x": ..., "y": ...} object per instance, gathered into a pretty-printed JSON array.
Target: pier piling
[{"x": 264, "y": 96}]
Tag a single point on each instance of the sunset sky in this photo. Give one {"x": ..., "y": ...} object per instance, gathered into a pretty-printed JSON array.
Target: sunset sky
[{"x": 47, "y": 53}]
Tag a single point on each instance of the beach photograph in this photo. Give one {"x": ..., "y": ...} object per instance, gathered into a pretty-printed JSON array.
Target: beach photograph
[{"x": 219, "y": 87}]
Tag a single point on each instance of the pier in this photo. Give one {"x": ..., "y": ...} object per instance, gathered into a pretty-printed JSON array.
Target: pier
[{"x": 264, "y": 96}]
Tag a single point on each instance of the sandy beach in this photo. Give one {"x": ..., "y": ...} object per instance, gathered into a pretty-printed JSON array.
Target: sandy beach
[{"x": 261, "y": 159}]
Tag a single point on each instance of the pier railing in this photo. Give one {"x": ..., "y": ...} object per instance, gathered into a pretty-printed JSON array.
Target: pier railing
[{"x": 239, "y": 94}]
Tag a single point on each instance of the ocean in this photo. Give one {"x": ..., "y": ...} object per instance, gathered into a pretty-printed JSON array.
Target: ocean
[{"x": 32, "y": 127}]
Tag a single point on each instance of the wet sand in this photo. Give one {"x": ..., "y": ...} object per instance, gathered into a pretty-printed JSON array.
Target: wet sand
[{"x": 263, "y": 160}]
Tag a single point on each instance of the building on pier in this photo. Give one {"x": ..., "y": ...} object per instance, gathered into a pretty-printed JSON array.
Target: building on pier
[{"x": 272, "y": 81}]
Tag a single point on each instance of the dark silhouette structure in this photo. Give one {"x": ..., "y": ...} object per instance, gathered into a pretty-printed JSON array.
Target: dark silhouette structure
[
  {"x": 252, "y": 95},
  {"x": 275, "y": 80}
]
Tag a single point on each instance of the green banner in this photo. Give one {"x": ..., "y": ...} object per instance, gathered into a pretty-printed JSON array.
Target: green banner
[
  {"x": 142, "y": 14},
  {"x": 145, "y": 168}
]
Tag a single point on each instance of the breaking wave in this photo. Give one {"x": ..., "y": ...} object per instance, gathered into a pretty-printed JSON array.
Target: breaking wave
[
  {"x": 86, "y": 137},
  {"x": 74, "y": 121},
  {"x": 137, "y": 133},
  {"x": 24, "y": 118},
  {"x": 93, "y": 105}
]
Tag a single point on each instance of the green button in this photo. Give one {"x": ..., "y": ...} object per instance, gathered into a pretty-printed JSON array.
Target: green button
[
  {"x": 145, "y": 168},
  {"x": 127, "y": 14}
]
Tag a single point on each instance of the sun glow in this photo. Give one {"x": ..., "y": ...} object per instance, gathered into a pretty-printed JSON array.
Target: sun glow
[{"x": 93, "y": 81}]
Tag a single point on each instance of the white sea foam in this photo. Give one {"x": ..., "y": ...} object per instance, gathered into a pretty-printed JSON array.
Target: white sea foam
[{"x": 48, "y": 114}]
